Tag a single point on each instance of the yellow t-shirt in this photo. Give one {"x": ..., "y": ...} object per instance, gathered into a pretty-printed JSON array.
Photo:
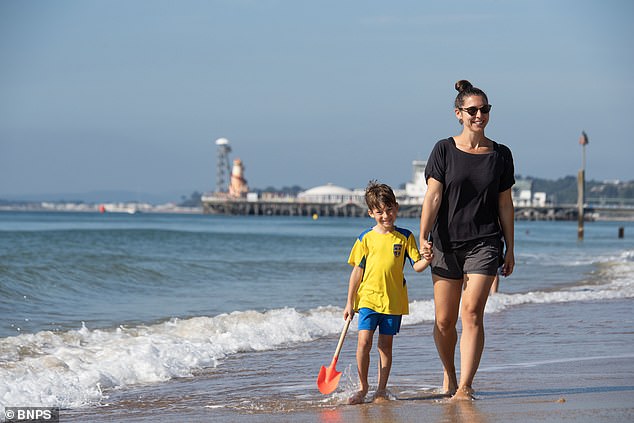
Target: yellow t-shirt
[{"x": 382, "y": 256}]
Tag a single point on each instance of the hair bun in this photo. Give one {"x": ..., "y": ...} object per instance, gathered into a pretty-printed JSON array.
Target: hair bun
[{"x": 463, "y": 85}]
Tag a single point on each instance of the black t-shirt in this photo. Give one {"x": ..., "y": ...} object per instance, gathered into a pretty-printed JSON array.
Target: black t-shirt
[{"x": 471, "y": 187}]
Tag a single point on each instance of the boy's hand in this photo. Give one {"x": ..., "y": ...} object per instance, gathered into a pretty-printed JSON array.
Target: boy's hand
[{"x": 348, "y": 313}]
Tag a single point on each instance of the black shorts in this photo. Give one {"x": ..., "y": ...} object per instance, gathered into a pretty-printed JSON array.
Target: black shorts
[{"x": 482, "y": 256}]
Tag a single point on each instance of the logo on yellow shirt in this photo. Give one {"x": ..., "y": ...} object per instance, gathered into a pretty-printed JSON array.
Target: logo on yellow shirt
[{"x": 397, "y": 250}]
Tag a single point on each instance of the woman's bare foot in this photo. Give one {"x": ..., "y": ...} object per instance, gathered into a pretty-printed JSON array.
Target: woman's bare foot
[
  {"x": 449, "y": 385},
  {"x": 357, "y": 398},
  {"x": 449, "y": 392},
  {"x": 381, "y": 396},
  {"x": 463, "y": 393}
]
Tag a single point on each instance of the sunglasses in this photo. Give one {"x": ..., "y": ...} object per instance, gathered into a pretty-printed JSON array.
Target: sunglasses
[{"x": 474, "y": 110}]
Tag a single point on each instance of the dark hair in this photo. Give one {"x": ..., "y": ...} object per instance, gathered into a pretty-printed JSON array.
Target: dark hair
[
  {"x": 465, "y": 89},
  {"x": 377, "y": 195}
]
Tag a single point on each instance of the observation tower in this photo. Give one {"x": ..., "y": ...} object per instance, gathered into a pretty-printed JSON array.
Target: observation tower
[{"x": 223, "y": 167}]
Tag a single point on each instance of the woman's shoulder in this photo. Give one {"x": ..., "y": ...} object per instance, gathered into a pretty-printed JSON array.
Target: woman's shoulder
[
  {"x": 441, "y": 150},
  {"x": 444, "y": 144},
  {"x": 446, "y": 141},
  {"x": 502, "y": 149}
]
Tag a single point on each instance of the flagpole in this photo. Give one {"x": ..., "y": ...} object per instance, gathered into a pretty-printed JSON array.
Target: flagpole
[{"x": 581, "y": 186}]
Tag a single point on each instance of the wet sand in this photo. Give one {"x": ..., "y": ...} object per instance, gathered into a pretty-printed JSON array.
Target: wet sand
[
  {"x": 602, "y": 392},
  {"x": 554, "y": 363},
  {"x": 581, "y": 404}
]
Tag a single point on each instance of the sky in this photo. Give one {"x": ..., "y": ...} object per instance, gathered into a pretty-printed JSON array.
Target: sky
[{"x": 132, "y": 95}]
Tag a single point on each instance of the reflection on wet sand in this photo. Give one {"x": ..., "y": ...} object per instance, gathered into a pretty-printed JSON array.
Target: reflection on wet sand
[{"x": 463, "y": 411}]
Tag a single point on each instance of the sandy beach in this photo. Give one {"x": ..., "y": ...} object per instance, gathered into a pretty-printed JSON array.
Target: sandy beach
[
  {"x": 597, "y": 395},
  {"x": 526, "y": 407},
  {"x": 524, "y": 377},
  {"x": 608, "y": 404}
]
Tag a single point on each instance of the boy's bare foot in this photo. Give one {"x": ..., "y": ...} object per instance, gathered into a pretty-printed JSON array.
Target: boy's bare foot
[
  {"x": 464, "y": 393},
  {"x": 357, "y": 398},
  {"x": 381, "y": 397}
]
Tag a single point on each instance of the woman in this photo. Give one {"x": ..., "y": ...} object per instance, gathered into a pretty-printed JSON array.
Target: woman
[{"x": 466, "y": 210}]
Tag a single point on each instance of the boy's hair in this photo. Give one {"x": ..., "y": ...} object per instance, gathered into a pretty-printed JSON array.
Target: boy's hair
[{"x": 377, "y": 195}]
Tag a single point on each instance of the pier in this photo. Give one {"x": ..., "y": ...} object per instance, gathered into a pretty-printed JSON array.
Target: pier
[
  {"x": 294, "y": 207},
  {"x": 291, "y": 206},
  {"x": 281, "y": 207}
]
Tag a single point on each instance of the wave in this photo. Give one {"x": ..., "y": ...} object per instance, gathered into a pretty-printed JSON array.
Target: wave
[
  {"x": 76, "y": 368},
  {"x": 73, "y": 368}
]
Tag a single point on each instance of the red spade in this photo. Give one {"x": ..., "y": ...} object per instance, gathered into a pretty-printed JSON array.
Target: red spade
[{"x": 328, "y": 378}]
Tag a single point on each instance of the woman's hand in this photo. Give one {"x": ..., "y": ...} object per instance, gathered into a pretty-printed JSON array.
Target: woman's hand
[
  {"x": 509, "y": 264},
  {"x": 426, "y": 251}
]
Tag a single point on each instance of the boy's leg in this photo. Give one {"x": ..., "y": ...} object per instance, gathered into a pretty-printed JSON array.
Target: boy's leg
[
  {"x": 364, "y": 345},
  {"x": 385, "y": 364}
]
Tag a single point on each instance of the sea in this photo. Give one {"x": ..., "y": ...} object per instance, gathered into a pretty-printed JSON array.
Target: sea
[{"x": 128, "y": 317}]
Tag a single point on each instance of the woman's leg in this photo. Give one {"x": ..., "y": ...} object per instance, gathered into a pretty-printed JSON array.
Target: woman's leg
[
  {"x": 474, "y": 298},
  {"x": 447, "y": 302},
  {"x": 495, "y": 284}
]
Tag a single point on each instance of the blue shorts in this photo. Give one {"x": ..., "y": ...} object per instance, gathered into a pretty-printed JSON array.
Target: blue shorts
[{"x": 389, "y": 324}]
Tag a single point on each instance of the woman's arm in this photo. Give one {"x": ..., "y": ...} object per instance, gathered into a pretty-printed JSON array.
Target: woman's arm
[
  {"x": 431, "y": 205},
  {"x": 507, "y": 221}
]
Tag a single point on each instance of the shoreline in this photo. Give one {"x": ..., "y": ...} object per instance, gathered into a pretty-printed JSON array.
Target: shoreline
[
  {"x": 564, "y": 402},
  {"x": 519, "y": 381},
  {"x": 136, "y": 208}
]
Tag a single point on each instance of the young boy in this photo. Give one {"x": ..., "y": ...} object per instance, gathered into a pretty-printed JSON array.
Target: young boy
[{"x": 377, "y": 289}]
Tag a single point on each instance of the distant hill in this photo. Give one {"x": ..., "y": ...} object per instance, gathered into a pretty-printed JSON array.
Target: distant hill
[
  {"x": 564, "y": 190},
  {"x": 558, "y": 191}
]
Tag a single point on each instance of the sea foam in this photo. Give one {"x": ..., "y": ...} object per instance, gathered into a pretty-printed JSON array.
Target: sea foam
[{"x": 71, "y": 369}]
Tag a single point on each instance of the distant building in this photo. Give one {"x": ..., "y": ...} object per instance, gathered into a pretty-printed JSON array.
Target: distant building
[
  {"x": 412, "y": 194},
  {"x": 238, "y": 185},
  {"x": 418, "y": 186},
  {"x": 523, "y": 195},
  {"x": 329, "y": 193}
]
